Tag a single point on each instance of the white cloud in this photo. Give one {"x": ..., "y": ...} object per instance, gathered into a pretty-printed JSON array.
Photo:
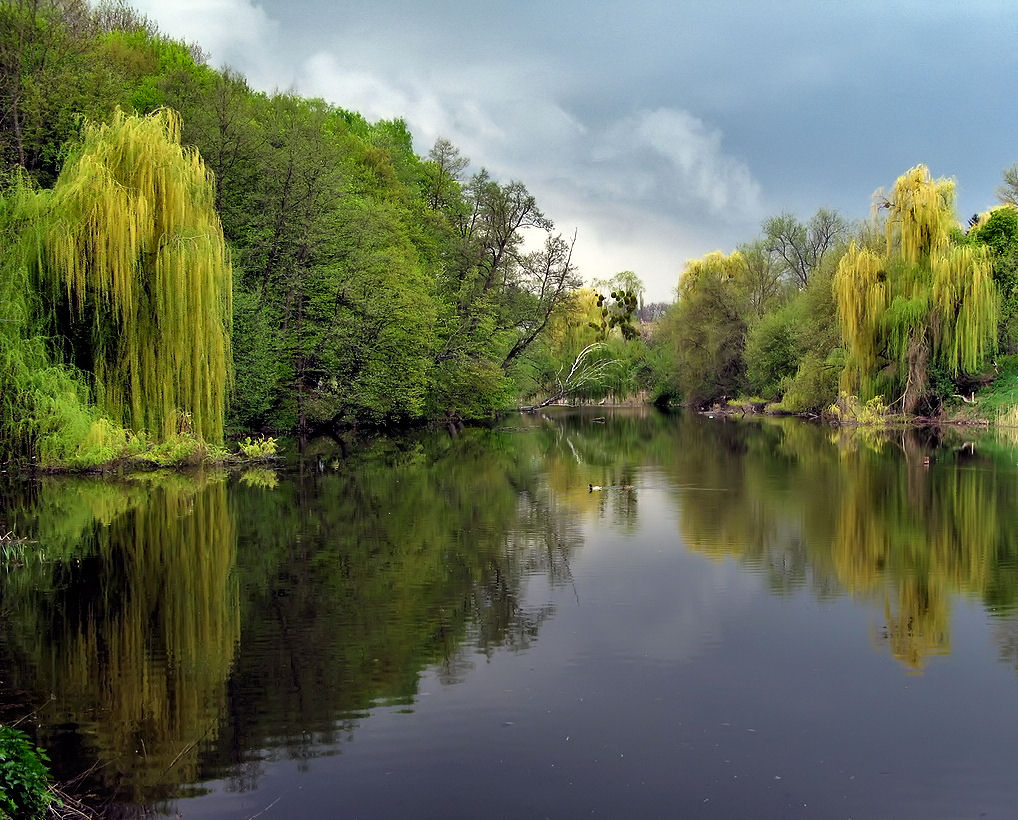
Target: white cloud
[
  {"x": 500, "y": 125},
  {"x": 614, "y": 236},
  {"x": 356, "y": 89},
  {"x": 639, "y": 191},
  {"x": 685, "y": 117},
  {"x": 236, "y": 33},
  {"x": 680, "y": 159}
]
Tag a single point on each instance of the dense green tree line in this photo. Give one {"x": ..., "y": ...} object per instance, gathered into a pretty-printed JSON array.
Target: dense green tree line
[
  {"x": 760, "y": 321},
  {"x": 365, "y": 283},
  {"x": 906, "y": 309}
]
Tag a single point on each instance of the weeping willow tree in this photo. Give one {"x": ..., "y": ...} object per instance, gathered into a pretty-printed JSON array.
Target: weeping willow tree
[
  {"x": 130, "y": 254},
  {"x": 46, "y": 408},
  {"x": 924, "y": 300}
]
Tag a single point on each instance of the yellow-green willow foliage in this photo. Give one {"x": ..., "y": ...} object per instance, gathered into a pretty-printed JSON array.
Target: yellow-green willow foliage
[
  {"x": 923, "y": 299},
  {"x": 860, "y": 288},
  {"x": 132, "y": 237},
  {"x": 42, "y": 402},
  {"x": 140, "y": 661},
  {"x": 920, "y": 215},
  {"x": 916, "y": 537},
  {"x": 728, "y": 269},
  {"x": 904, "y": 538}
]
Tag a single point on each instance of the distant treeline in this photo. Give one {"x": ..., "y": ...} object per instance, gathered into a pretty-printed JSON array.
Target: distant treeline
[{"x": 901, "y": 312}]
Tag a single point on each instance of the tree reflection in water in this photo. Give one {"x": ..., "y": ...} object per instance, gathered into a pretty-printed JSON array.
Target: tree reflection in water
[
  {"x": 193, "y": 627},
  {"x": 132, "y": 629},
  {"x": 862, "y": 512}
]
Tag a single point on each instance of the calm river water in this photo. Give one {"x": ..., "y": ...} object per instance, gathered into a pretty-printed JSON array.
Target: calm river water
[{"x": 749, "y": 619}]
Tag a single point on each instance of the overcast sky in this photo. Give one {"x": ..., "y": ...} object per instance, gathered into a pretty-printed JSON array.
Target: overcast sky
[{"x": 660, "y": 131}]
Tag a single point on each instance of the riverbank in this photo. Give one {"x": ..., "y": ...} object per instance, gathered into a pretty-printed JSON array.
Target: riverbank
[
  {"x": 137, "y": 455},
  {"x": 986, "y": 415}
]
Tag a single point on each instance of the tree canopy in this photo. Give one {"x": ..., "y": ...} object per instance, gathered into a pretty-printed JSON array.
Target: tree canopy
[
  {"x": 169, "y": 232},
  {"x": 132, "y": 240},
  {"x": 923, "y": 300},
  {"x": 367, "y": 284}
]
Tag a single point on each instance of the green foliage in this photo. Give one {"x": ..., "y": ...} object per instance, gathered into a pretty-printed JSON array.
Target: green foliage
[
  {"x": 614, "y": 371},
  {"x": 121, "y": 272},
  {"x": 336, "y": 312},
  {"x": 257, "y": 448},
  {"x": 468, "y": 387},
  {"x": 179, "y": 450},
  {"x": 709, "y": 326},
  {"x": 49, "y": 76},
  {"x": 1002, "y": 393},
  {"x": 46, "y": 409},
  {"x": 790, "y": 351},
  {"x": 661, "y": 365},
  {"x": 24, "y": 778},
  {"x": 772, "y": 350},
  {"x": 999, "y": 232},
  {"x": 150, "y": 67},
  {"x": 371, "y": 286},
  {"x": 256, "y": 360},
  {"x": 616, "y": 312},
  {"x": 132, "y": 241},
  {"x": 814, "y": 385},
  {"x": 995, "y": 402},
  {"x": 922, "y": 301},
  {"x": 871, "y": 413}
]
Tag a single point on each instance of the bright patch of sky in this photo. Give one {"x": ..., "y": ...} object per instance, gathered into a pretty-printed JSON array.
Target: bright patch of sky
[{"x": 660, "y": 132}]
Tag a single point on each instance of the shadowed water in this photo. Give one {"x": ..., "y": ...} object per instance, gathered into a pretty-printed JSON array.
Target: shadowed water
[{"x": 762, "y": 619}]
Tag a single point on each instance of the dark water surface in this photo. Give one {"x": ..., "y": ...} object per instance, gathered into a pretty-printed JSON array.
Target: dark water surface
[{"x": 749, "y": 620}]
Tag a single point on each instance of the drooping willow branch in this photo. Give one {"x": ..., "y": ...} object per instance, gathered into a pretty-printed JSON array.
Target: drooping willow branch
[
  {"x": 923, "y": 300},
  {"x": 132, "y": 238}
]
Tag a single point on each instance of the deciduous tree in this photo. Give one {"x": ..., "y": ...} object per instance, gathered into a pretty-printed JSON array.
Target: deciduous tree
[
  {"x": 1007, "y": 191},
  {"x": 924, "y": 300},
  {"x": 134, "y": 255},
  {"x": 710, "y": 327},
  {"x": 998, "y": 231},
  {"x": 802, "y": 247}
]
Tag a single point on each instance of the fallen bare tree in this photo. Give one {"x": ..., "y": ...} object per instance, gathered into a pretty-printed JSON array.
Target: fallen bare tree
[{"x": 585, "y": 370}]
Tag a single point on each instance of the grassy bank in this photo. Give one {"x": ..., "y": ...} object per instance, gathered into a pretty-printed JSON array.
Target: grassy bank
[{"x": 995, "y": 403}]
